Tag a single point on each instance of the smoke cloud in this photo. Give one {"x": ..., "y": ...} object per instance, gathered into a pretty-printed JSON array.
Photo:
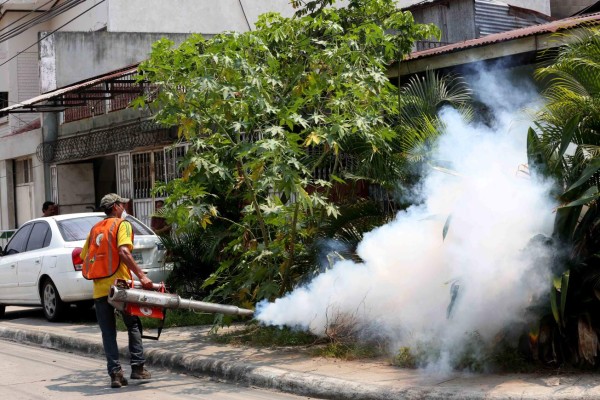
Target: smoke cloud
[{"x": 403, "y": 289}]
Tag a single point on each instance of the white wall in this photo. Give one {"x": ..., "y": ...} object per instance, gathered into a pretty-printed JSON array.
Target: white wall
[
  {"x": 185, "y": 16},
  {"x": 92, "y": 20},
  {"x": 19, "y": 146},
  {"x": 20, "y": 75}
]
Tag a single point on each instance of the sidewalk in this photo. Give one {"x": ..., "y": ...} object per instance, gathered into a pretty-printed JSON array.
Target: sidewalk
[{"x": 294, "y": 371}]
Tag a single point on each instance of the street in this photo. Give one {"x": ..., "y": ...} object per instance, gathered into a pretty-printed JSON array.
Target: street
[{"x": 36, "y": 373}]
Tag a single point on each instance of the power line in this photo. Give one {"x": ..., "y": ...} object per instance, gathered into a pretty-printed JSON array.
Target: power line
[
  {"x": 51, "y": 33},
  {"x": 42, "y": 17},
  {"x": 245, "y": 16},
  {"x": 26, "y": 15}
]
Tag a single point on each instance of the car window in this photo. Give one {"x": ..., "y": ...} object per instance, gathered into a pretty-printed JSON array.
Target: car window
[
  {"x": 18, "y": 242},
  {"x": 48, "y": 238},
  {"x": 75, "y": 229},
  {"x": 78, "y": 228},
  {"x": 138, "y": 227},
  {"x": 38, "y": 236}
]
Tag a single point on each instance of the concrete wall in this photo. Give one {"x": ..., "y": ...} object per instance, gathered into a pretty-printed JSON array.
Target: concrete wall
[
  {"x": 19, "y": 76},
  {"x": 566, "y": 8},
  {"x": 91, "y": 20},
  {"x": 19, "y": 146},
  {"x": 69, "y": 57}
]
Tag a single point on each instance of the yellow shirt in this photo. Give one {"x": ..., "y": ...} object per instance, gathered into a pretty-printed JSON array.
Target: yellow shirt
[{"x": 102, "y": 286}]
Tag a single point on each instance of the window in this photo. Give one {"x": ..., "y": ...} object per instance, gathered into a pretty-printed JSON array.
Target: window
[
  {"x": 77, "y": 228},
  {"x": 174, "y": 157},
  {"x": 23, "y": 171},
  {"x": 3, "y": 103},
  {"x": 37, "y": 240},
  {"x": 138, "y": 227},
  {"x": 18, "y": 242}
]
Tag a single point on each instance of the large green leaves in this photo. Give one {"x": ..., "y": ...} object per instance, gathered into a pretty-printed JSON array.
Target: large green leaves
[
  {"x": 276, "y": 118},
  {"x": 565, "y": 147}
]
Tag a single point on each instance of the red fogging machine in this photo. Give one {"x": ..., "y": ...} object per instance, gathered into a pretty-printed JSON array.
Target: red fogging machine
[{"x": 129, "y": 297}]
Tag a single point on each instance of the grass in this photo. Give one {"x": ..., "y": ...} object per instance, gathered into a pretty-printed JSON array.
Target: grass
[
  {"x": 271, "y": 336},
  {"x": 266, "y": 336},
  {"x": 348, "y": 351}
]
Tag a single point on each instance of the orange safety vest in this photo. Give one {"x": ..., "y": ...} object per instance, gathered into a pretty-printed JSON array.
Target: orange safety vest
[{"x": 102, "y": 259}]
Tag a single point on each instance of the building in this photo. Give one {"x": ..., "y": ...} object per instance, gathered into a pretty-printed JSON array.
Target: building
[
  {"x": 517, "y": 48},
  {"x": 557, "y": 9},
  {"x": 78, "y": 57},
  {"x": 567, "y": 8},
  {"x": 478, "y": 18}
]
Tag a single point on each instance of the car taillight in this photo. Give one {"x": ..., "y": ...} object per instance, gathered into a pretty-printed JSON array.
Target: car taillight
[{"x": 76, "y": 257}]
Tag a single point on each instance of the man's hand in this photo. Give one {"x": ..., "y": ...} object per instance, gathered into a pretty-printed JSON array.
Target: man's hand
[{"x": 146, "y": 282}]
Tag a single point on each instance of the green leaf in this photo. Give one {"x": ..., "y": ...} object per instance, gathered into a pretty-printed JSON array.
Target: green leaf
[
  {"x": 446, "y": 227},
  {"x": 535, "y": 157},
  {"x": 567, "y": 134},
  {"x": 591, "y": 169},
  {"x": 564, "y": 288},
  {"x": 590, "y": 195},
  {"x": 565, "y": 222},
  {"x": 554, "y": 305},
  {"x": 337, "y": 179}
]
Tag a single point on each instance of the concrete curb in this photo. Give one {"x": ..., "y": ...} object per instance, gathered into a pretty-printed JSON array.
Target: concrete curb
[
  {"x": 266, "y": 377},
  {"x": 298, "y": 383}
]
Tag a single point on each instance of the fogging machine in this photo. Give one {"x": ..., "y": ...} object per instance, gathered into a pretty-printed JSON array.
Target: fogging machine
[{"x": 129, "y": 297}]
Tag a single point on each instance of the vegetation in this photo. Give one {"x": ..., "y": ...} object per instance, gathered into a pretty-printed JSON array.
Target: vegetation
[
  {"x": 260, "y": 336},
  {"x": 269, "y": 336},
  {"x": 565, "y": 145},
  {"x": 284, "y": 123}
]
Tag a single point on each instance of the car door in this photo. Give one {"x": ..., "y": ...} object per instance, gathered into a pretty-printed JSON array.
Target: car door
[
  {"x": 30, "y": 264},
  {"x": 12, "y": 254}
]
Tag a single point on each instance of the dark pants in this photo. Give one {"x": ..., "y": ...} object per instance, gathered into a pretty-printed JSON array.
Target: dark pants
[{"x": 105, "y": 313}]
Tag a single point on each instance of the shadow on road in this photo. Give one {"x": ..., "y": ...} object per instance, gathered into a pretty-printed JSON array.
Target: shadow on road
[{"x": 73, "y": 315}]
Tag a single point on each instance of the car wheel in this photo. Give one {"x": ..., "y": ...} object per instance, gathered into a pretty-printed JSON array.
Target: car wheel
[
  {"x": 2, "y": 310},
  {"x": 54, "y": 307}
]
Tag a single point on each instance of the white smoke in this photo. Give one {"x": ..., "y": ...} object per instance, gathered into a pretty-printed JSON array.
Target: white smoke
[{"x": 403, "y": 288}]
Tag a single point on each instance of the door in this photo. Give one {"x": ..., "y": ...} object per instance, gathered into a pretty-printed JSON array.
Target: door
[
  {"x": 75, "y": 186},
  {"x": 13, "y": 253},
  {"x": 30, "y": 264},
  {"x": 24, "y": 191}
]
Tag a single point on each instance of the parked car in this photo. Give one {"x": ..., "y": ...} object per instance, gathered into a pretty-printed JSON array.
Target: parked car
[{"x": 41, "y": 264}]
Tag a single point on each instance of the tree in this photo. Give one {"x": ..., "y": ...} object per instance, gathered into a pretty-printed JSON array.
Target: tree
[
  {"x": 566, "y": 146},
  {"x": 275, "y": 118}
]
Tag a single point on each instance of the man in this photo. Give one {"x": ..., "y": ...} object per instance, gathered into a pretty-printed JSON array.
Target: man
[
  {"x": 49, "y": 208},
  {"x": 107, "y": 256},
  {"x": 157, "y": 222}
]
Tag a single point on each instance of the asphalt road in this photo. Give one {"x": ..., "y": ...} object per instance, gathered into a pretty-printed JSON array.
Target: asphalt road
[{"x": 29, "y": 373}]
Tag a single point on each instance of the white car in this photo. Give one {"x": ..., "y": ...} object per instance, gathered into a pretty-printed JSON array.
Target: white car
[{"x": 41, "y": 264}]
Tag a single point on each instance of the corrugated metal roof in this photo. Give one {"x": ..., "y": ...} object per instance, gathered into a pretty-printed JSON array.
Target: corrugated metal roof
[
  {"x": 550, "y": 27},
  {"x": 74, "y": 87},
  {"x": 494, "y": 17}
]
